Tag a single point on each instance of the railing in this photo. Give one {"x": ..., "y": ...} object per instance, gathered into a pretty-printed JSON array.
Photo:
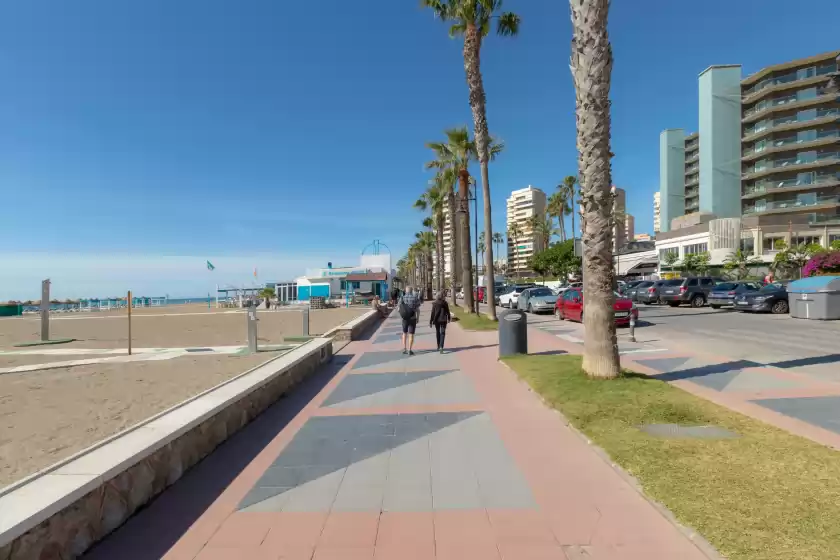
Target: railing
[
  {"x": 766, "y": 125},
  {"x": 764, "y": 186},
  {"x": 828, "y": 157},
  {"x": 692, "y": 168},
  {"x": 779, "y": 142},
  {"x": 692, "y": 146},
  {"x": 826, "y": 219},
  {"x": 804, "y": 74},
  {"x": 792, "y": 204}
]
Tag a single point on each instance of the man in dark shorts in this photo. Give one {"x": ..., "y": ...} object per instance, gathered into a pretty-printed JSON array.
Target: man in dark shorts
[
  {"x": 409, "y": 309},
  {"x": 395, "y": 296}
]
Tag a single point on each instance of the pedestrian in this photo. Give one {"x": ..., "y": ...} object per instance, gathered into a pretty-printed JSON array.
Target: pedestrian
[
  {"x": 440, "y": 317},
  {"x": 395, "y": 295},
  {"x": 409, "y": 307}
]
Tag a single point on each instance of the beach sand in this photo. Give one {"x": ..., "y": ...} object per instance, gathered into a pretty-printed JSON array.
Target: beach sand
[
  {"x": 183, "y": 327},
  {"x": 46, "y": 416}
]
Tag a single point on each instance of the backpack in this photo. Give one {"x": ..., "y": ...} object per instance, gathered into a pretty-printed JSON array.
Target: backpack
[{"x": 406, "y": 312}]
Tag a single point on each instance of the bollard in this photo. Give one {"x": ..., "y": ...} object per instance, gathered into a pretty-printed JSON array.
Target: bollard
[
  {"x": 251, "y": 315},
  {"x": 45, "y": 310},
  {"x": 305, "y": 329},
  {"x": 632, "y": 327}
]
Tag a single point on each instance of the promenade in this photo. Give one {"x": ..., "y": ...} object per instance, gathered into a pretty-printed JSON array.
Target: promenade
[{"x": 388, "y": 456}]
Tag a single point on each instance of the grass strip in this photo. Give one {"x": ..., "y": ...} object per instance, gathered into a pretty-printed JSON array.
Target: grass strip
[
  {"x": 764, "y": 496},
  {"x": 473, "y": 322}
]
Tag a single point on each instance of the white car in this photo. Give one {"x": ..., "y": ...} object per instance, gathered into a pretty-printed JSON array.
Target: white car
[{"x": 511, "y": 298}]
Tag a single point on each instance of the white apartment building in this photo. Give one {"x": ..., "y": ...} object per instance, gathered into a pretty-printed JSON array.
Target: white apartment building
[
  {"x": 448, "y": 233},
  {"x": 656, "y": 218},
  {"x": 629, "y": 228},
  {"x": 521, "y": 206}
]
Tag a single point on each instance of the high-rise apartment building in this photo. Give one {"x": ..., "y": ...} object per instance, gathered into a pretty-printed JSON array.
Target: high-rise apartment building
[
  {"x": 620, "y": 238},
  {"x": 692, "y": 173},
  {"x": 790, "y": 164},
  {"x": 656, "y": 218},
  {"x": 448, "y": 233},
  {"x": 671, "y": 176},
  {"x": 522, "y": 205},
  {"x": 629, "y": 228}
]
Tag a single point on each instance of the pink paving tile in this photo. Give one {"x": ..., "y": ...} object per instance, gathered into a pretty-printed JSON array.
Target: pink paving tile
[
  {"x": 462, "y": 526},
  {"x": 405, "y": 552},
  {"x": 243, "y": 529},
  {"x": 292, "y": 532},
  {"x": 243, "y": 553},
  {"x": 349, "y": 529},
  {"x": 531, "y": 551},
  {"x": 344, "y": 553},
  {"x": 523, "y": 526},
  {"x": 467, "y": 551},
  {"x": 406, "y": 529},
  {"x": 573, "y": 524}
]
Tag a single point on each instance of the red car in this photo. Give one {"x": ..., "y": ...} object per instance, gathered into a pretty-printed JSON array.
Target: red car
[{"x": 570, "y": 306}]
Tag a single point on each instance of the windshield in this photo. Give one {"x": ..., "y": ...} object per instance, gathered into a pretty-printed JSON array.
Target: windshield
[
  {"x": 675, "y": 282},
  {"x": 541, "y": 292},
  {"x": 726, "y": 286},
  {"x": 771, "y": 288},
  {"x": 645, "y": 285}
]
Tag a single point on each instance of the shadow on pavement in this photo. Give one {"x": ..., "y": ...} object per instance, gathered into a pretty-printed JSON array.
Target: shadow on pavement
[
  {"x": 693, "y": 373},
  {"x": 154, "y": 529},
  {"x": 812, "y": 361}
]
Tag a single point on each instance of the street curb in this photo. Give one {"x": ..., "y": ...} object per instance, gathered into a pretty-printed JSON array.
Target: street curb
[{"x": 694, "y": 536}]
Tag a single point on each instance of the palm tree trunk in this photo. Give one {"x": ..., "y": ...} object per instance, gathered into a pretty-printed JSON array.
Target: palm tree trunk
[
  {"x": 439, "y": 245},
  {"x": 464, "y": 224},
  {"x": 431, "y": 266},
  {"x": 591, "y": 66},
  {"x": 454, "y": 244},
  {"x": 562, "y": 221},
  {"x": 472, "y": 66}
]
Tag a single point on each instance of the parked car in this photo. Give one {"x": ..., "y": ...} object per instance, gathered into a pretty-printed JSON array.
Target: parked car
[
  {"x": 631, "y": 293},
  {"x": 570, "y": 306},
  {"x": 725, "y": 292},
  {"x": 653, "y": 293},
  {"x": 502, "y": 291},
  {"x": 509, "y": 299},
  {"x": 772, "y": 298},
  {"x": 535, "y": 299},
  {"x": 694, "y": 291},
  {"x": 624, "y": 288}
]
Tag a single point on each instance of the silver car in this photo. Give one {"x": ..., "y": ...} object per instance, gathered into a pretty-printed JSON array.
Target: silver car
[
  {"x": 542, "y": 303},
  {"x": 524, "y": 302}
]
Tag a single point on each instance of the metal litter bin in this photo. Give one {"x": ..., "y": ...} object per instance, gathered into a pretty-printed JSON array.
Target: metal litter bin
[
  {"x": 513, "y": 332},
  {"x": 817, "y": 297}
]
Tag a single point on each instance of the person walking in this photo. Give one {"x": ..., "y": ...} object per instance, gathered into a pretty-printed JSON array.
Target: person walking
[
  {"x": 409, "y": 307},
  {"x": 395, "y": 296},
  {"x": 440, "y": 317}
]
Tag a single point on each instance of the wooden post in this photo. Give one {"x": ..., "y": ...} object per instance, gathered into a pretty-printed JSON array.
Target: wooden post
[{"x": 129, "y": 322}]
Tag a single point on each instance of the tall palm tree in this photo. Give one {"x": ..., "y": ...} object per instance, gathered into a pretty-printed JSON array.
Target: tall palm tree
[
  {"x": 514, "y": 233},
  {"x": 559, "y": 207},
  {"x": 454, "y": 156},
  {"x": 541, "y": 228},
  {"x": 434, "y": 201},
  {"x": 498, "y": 239},
  {"x": 568, "y": 187},
  {"x": 482, "y": 245},
  {"x": 472, "y": 19},
  {"x": 591, "y": 65}
]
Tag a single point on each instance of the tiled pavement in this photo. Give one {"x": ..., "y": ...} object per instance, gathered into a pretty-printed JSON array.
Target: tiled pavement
[
  {"x": 433, "y": 456},
  {"x": 806, "y": 403}
]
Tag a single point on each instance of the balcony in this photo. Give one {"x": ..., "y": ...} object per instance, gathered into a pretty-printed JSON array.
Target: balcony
[
  {"x": 824, "y": 220},
  {"x": 690, "y": 158},
  {"x": 792, "y": 205},
  {"x": 805, "y": 182},
  {"x": 786, "y": 103},
  {"x": 797, "y": 141},
  {"x": 692, "y": 205},
  {"x": 692, "y": 168},
  {"x": 692, "y": 180},
  {"x": 691, "y": 193},
  {"x": 799, "y": 78},
  {"x": 792, "y": 122},
  {"x": 691, "y": 146},
  {"x": 798, "y": 163}
]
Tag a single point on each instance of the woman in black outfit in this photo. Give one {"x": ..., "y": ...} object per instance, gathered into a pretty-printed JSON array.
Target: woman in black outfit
[{"x": 439, "y": 318}]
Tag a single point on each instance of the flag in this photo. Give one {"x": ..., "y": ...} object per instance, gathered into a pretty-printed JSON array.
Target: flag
[
  {"x": 255, "y": 272},
  {"x": 210, "y": 266}
]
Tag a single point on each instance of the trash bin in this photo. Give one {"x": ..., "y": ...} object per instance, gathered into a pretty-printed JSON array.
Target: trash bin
[
  {"x": 513, "y": 332},
  {"x": 817, "y": 297}
]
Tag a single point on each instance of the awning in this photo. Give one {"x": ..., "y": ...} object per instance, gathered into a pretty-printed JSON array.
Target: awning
[
  {"x": 368, "y": 277},
  {"x": 643, "y": 268}
]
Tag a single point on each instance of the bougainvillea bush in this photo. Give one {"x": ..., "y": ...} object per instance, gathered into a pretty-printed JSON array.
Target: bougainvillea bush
[{"x": 823, "y": 263}]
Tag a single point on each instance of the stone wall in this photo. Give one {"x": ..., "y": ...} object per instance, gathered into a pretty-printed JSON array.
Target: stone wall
[
  {"x": 354, "y": 329},
  {"x": 71, "y": 531}
]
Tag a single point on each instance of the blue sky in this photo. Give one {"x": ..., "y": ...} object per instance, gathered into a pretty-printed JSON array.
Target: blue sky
[{"x": 284, "y": 135}]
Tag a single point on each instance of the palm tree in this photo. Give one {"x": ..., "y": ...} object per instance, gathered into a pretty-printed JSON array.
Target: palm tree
[
  {"x": 454, "y": 156},
  {"x": 591, "y": 65},
  {"x": 498, "y": 239},
  {"x": 434, "y": 200},
  {"x": 568, "y": 188},
  {"x": 472, "y": 19},
  {"x": 541, "y": 228},
  {"x": 514, "y": 233},
  {"x": 482, "y": 245}
]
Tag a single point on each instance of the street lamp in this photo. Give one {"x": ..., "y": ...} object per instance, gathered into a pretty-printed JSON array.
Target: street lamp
[{"x": 473, "y": 196}]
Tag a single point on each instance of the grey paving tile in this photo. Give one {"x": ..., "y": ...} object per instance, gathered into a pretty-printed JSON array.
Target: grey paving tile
[
  {"x": 663, "y": 364},
  {"x": 369, "y": 359},
  {"x": 359, "y": 497},
  {"x": 455, "y": 493},
  {"x": 819, "y": 411},
  {"x": 756, "y": 381},
  {"x": 363, "y": 384}
]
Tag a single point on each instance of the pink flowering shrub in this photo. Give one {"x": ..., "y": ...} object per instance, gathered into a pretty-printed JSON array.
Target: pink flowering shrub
[{"x": 823, "y": 263}]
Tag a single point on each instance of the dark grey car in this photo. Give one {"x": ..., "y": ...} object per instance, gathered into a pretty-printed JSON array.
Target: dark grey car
[
  {"x": 632, "y": 292},
  {"x": 653, "y": 293},
  {"x": 726, "y": 292}
]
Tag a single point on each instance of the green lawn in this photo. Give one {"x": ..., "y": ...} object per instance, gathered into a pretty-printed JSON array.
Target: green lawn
[
  {"x": 766, "y": 495},
  {"x": 473, "y": 322}
]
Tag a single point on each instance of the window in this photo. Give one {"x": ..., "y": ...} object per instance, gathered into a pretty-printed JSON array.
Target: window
[
  {"x": 695, "y": 249},
  {"x": 806, "y": 157},
  {"x": 806, "y": 240},
  {"x": 803, "y": 73},
  {"x": 748, "y": 246},
  {"x": 809, "y": 93},
  {"x": 663, "y": 252},
  {"x": 833, "y": 237},
  {"x": 806, "y": 115},
  {"x": 806, "y": 135},
  {"x": 707, "y": 282},
  {"x": 691, "y": 282}
]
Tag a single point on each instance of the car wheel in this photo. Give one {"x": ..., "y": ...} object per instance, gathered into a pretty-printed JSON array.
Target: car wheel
[
  {"x": 698, "y": 301},
  {"x": 581, "y": 316},
  {"x": 530, "y": 308},
  {"x": 660, "y": 301},
  {"x": 646, "y": 303},
  {"x": 558, "y": 315},
  {"x": 714, "y": 306},
  {"x": 673, "y": 304},
  {"x": 780, "y": 307}
]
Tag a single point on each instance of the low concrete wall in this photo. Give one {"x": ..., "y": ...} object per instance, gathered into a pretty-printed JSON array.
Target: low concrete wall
[
  {"x": 61, "y": 511},
  {"x": 354, "y": 329}
]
